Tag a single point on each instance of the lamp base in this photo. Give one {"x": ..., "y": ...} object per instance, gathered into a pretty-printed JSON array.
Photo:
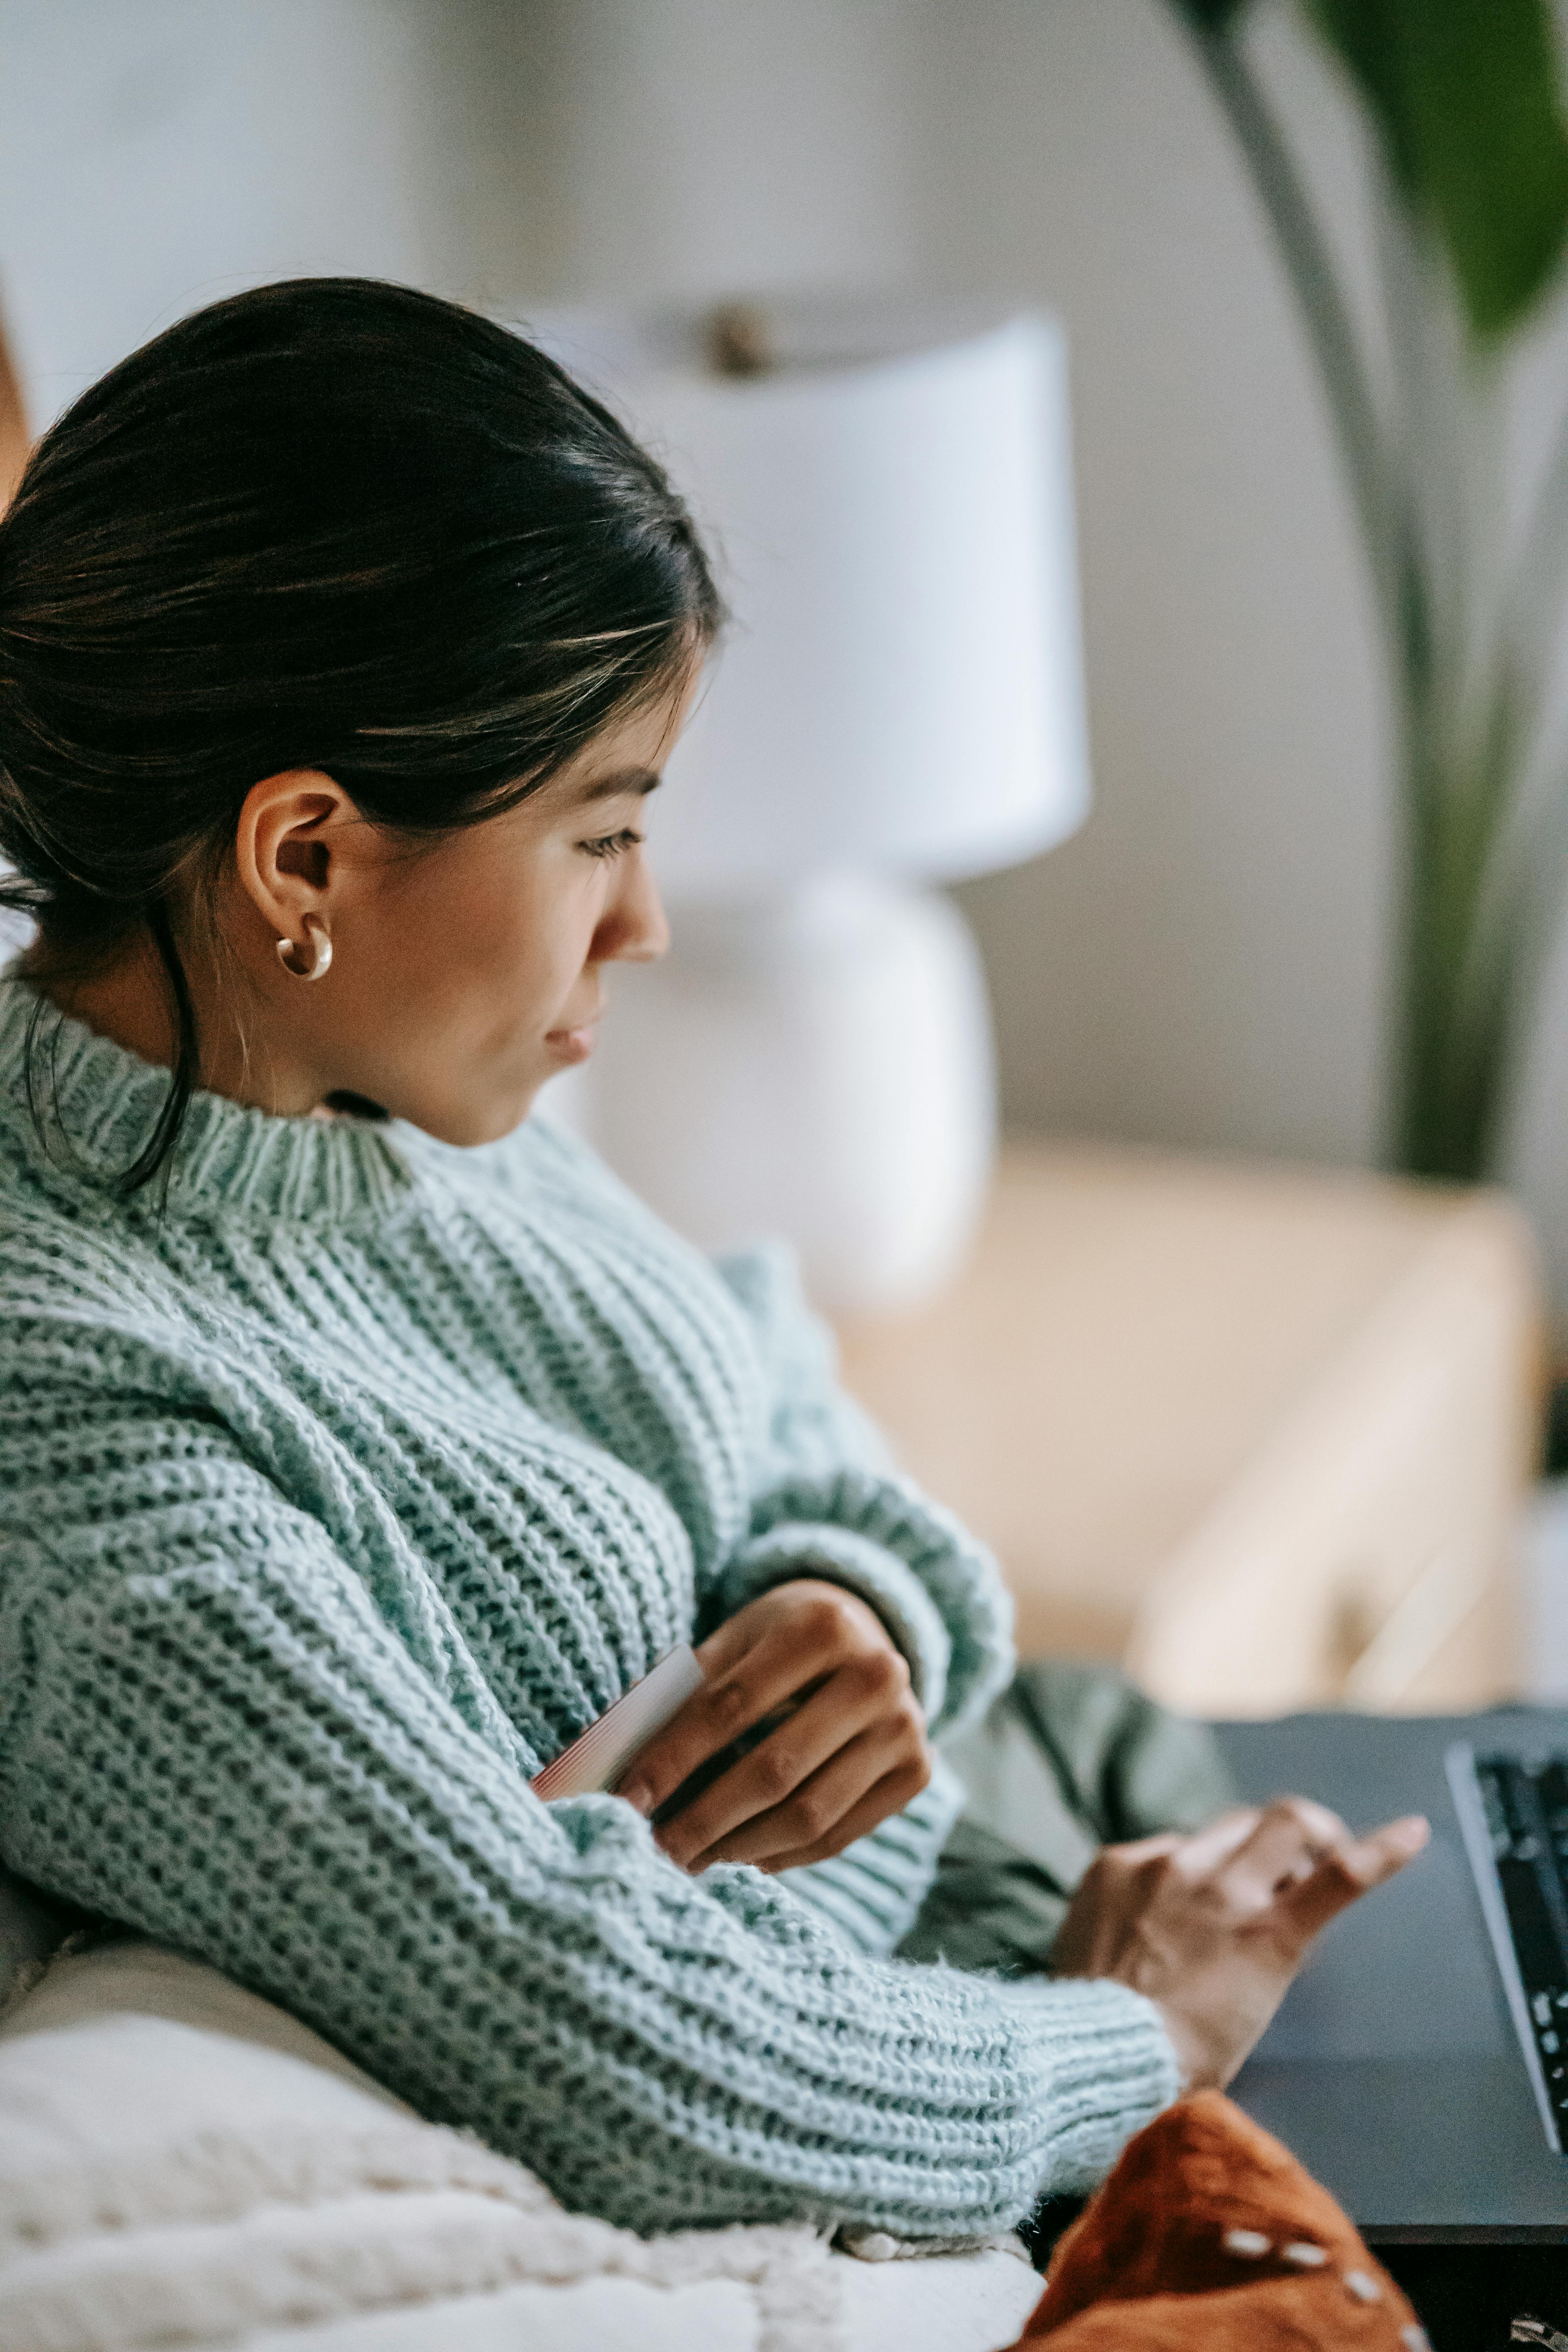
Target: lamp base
[{"x": 816, "y": 1066}]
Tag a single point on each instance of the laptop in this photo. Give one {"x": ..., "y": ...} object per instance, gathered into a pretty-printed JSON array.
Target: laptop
[
  {"x": 1512, "y": 1808},
  {"x": 1410, "y": 2066}
]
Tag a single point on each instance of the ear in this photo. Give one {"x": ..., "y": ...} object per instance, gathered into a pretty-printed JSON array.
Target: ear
[
  {"x": 14, "y": 434},
  {"x": 284, "y": 846}
]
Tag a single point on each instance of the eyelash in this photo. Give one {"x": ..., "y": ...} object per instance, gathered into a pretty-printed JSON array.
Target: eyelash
[{"x": 611, "y": 845}]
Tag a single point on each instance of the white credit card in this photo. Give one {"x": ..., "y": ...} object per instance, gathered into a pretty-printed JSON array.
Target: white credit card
[{"x": 600, "y": 1755}]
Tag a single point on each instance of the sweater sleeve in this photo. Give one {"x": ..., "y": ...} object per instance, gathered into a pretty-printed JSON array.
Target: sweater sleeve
[
  {"x": 210, "y": 1730},
  {"x": 828, "y": 1501}
]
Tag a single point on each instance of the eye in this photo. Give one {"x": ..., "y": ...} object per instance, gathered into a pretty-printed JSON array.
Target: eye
[{"x": 611, "y": 845}]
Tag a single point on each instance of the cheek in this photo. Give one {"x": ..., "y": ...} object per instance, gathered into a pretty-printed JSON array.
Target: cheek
[{"x": 494, "y": 943}]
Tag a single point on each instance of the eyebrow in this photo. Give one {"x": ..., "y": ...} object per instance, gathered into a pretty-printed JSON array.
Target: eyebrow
[{"x": 623, "y": 780}]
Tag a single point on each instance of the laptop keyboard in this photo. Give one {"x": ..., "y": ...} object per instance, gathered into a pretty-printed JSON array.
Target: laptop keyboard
[{"x": 1513, "y": 1811}]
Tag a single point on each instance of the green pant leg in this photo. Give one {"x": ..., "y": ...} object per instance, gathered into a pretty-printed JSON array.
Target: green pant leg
[{"x": 1070, "y": 1758}]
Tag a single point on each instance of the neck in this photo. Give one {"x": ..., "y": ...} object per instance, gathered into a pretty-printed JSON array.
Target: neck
[{"x": 128, "y": 998}]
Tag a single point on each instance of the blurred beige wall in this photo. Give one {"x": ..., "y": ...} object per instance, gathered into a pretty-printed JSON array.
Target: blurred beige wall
[{"x": 1205, "y": 964}]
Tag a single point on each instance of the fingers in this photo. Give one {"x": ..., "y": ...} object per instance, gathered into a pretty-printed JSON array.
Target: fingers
[
  {"x": 889, "y": 1795},
  {"x": 780, "y": 1791},
  {"x": 748, "y": 1679},
  {"x": 857, "y": 1787},
  {"x": 1281, "y": 1870},
  {"x": 1204, "y": 1849},
  {"x": 1108, "y": 1903},
  {"x": 1212, "y": 1928},
  {"x": 1351, "y": 1869},
  {"x": 1129, "y": 1861},
  {"x": 1286, "y": 1842}
]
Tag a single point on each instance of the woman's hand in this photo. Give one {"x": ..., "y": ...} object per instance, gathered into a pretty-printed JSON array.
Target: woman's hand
[
  {"x": 1212, "y": 1928},
  {"x": 850, "y": 1747}
]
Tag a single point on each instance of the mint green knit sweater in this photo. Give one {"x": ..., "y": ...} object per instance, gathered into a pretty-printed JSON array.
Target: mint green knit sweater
[{"x": 343, "y": 1489}]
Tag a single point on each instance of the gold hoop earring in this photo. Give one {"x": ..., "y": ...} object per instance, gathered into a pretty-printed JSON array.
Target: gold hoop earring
[{"x": 320, "y": 948}]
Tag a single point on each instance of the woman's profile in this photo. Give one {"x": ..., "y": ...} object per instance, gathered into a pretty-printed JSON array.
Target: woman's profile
[{"x": 363, "y": 1441}]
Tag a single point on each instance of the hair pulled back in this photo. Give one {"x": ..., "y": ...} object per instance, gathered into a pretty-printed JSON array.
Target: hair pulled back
[{"x": 329, "y": 523}]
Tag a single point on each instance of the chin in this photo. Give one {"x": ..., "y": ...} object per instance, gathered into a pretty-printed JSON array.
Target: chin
[{"x": 466, "y": 1124}]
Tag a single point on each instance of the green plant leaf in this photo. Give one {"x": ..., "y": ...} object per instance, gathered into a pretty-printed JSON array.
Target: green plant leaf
[
  {"x": 1210, "y": 15},
  {"x": 1464, "y": 94}
]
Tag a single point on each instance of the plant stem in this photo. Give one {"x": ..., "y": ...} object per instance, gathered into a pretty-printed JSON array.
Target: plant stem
[{"x": 1460, "y": 1003}]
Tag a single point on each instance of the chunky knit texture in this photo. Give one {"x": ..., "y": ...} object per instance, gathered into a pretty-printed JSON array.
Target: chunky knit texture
[{"x": 344, "y": 1486}]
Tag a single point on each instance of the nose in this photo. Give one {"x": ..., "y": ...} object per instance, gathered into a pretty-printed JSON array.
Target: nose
[{"x": 634, "y": 927}]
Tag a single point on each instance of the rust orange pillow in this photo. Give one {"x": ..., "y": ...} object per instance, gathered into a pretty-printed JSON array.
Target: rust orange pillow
[{"x": 1210, "y": 2234}]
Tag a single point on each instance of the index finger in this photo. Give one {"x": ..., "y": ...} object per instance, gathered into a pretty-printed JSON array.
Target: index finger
[
  {"x": 1204, "y": 1850},
  {"x": 1351, "y": 1869},
  {"x": 743, "y": 1697}
]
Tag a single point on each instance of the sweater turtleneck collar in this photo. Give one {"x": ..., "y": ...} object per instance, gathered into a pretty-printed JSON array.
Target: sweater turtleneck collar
[{"x": 98, "y": 1104}]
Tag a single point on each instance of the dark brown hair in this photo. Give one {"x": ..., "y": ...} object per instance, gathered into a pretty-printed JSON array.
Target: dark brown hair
[{"x": 329, "y": 523}]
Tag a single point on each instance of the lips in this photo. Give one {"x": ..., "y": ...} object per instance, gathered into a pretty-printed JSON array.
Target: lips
[{"x": 576, "y": 1043}]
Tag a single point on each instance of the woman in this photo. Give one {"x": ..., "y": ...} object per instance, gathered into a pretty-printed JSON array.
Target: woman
[{"x": 361, "y": 1441}]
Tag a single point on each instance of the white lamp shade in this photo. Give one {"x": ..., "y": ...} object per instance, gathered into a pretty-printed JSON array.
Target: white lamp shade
[{"x": 901, "y": 688}]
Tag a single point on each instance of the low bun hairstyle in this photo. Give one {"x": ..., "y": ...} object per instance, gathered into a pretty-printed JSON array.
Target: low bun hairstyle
[{"x": 328, "y": 523}]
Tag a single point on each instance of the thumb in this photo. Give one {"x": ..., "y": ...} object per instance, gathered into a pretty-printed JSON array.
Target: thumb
[{"x": 1351, "y": 1871}]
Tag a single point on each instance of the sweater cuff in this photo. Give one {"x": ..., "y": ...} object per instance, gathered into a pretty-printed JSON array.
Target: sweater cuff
[
  {"x": 839, "y": 1556},
  {"x": 1110, "y": 2070}
]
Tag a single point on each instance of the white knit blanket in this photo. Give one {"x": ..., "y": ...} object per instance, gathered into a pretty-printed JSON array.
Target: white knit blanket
[{"x": 180, "y": 2164}]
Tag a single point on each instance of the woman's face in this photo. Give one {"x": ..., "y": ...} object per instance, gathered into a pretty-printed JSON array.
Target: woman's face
[{"x": 464, "y": 974}]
